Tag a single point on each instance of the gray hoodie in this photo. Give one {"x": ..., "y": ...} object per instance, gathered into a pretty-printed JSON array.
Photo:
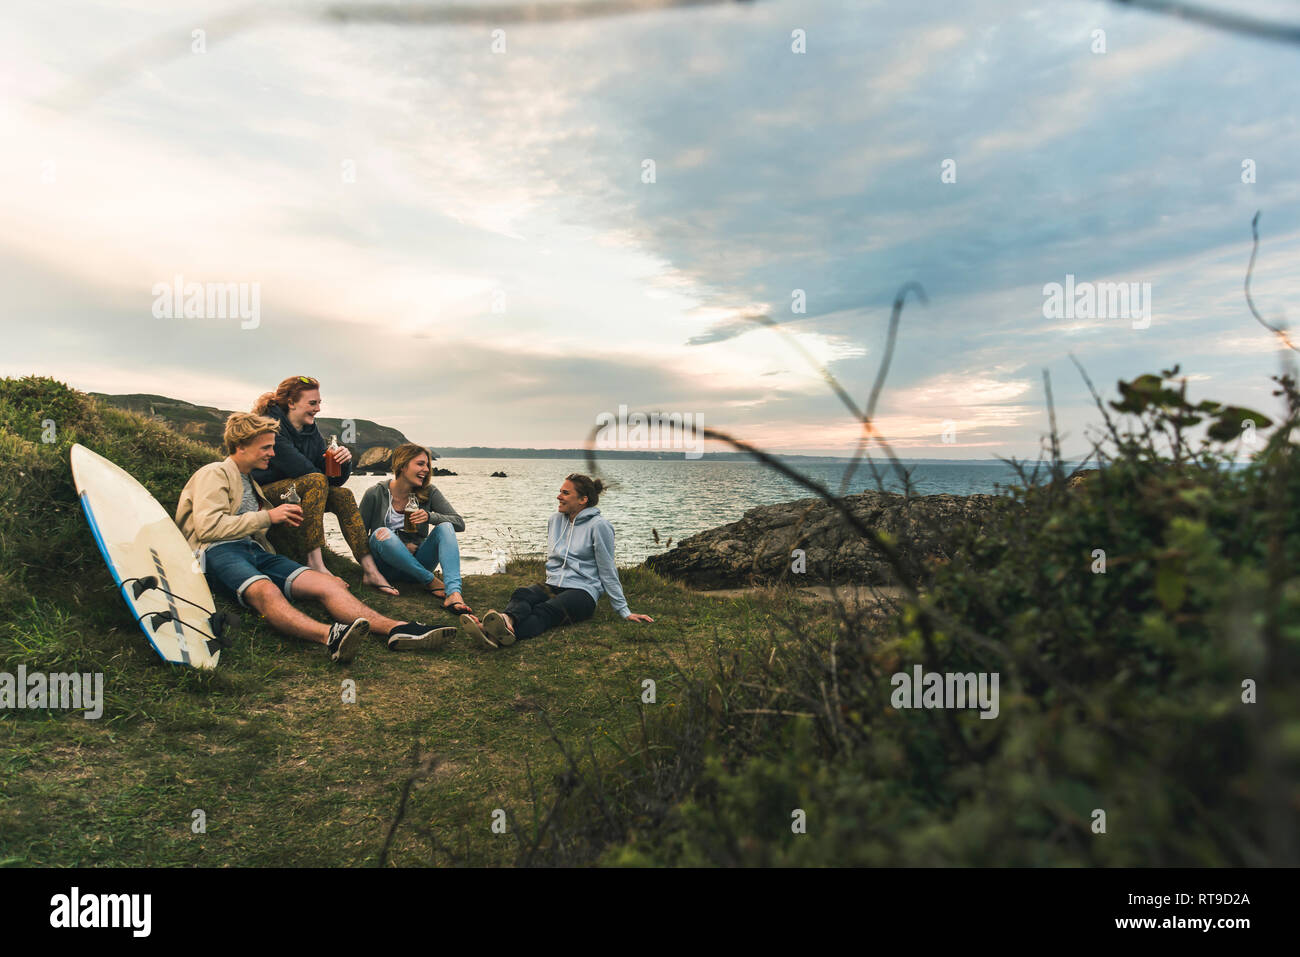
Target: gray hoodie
[
  {"x": 580, "y": 554},
  {"x": 374, "y": 506}
]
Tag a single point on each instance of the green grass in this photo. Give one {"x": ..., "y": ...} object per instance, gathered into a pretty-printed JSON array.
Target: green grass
[
  {"x": 1121, "y": 691},
  {"x": 286, "y": 772}
]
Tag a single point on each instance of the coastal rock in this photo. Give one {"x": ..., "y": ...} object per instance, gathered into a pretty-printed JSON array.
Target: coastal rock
[
  {"x": 758, "y": 547},
  {"x": 498, "y": 475},
  {"x": 379, "y": 461},
  {"x": 376, "y": 461},
  {"x": 1082, "y": 478}
]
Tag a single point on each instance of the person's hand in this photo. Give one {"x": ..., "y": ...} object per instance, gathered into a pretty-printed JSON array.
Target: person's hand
[
  {"x": 411, "y": 547},
  {"x": 287, "y": 513},
  {"x": 419, "y": 515},
  {"x": 343, "y": 456},
  {"x": 645, "y": 618}
]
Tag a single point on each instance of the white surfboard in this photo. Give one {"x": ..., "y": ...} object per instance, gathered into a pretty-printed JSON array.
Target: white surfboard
[{"x": 155, "y": 570}]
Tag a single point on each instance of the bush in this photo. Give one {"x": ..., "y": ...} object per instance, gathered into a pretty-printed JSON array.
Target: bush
[{"x": 1123, "y": 690}]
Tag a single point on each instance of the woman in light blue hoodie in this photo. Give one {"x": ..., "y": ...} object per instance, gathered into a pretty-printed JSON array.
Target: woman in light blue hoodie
[{"x": 579, "y": 566}]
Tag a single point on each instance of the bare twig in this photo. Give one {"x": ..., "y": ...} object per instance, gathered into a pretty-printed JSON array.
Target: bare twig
[
  {"x": 1220, "y": 19},
  {"x": 1278, "y": 331}
]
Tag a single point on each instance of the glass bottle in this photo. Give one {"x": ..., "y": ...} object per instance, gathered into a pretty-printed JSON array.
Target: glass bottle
[
  {"x": 411, "y": 507},
  {"x": 332, "y": 467}
]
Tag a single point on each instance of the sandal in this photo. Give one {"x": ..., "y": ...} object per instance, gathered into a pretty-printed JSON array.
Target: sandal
[
  {"x": 459, "y": 608},
  {"x": 495, "y": 625},
  {"x": 472, "y": 628},
  {"x": 387, "y": 590}
]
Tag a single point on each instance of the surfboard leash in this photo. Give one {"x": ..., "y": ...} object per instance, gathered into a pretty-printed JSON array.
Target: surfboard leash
[
  {"x": 220, "y": 620},
  {"x": 159, "y": 618}
]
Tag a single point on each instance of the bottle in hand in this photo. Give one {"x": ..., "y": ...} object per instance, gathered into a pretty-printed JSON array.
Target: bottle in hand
[
  {"x": 332, "y": 467},
  {"x": 411, "y": 507},
  {"x": 291, "y": 497}
]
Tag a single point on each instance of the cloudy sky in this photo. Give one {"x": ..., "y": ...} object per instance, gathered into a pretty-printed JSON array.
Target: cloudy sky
[{"x": 461, "y": 241}]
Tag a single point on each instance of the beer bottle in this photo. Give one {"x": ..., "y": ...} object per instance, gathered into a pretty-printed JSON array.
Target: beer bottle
[
  {"x": 411, "y": 507},
  {"x": 332, "y": 467}
]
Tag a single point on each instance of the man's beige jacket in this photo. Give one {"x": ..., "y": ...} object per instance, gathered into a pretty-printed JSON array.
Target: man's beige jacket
[{"x": 209, "y": 501}]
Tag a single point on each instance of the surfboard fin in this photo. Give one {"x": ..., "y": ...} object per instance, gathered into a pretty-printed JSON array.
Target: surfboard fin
[
  {"x": 225, "y": 626},
  {"x": 142, "y": 585},
  {"x": 157, "y": 619}
]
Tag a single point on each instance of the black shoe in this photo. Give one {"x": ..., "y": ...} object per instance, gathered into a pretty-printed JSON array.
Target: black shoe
[
  {"x": 345, "y": 640},
  {"x": 413, "y": 635}
]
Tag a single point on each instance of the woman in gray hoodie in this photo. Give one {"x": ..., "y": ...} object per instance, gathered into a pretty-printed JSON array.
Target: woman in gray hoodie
[
  {"x": 579, "y": 567},
  {"x": 412, "y": 555}
]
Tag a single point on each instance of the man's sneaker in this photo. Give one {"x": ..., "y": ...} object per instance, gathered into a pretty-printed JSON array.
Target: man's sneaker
[
  {"x": 473, "y": 629},
  {"x": 495, "y": 625},
  {"x": 413, "y": 635},
  {"x": 345, "y": 640}
]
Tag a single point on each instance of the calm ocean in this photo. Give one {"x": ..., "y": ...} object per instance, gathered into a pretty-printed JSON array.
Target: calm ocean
[{"x": 676, "y": 497}]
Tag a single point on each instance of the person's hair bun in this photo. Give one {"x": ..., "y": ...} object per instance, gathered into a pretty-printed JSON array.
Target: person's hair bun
[{"x": 587, "y": 487}]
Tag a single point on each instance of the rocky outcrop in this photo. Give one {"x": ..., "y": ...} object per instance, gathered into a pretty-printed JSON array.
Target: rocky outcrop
[
  {"x": 375, "y": 461},
  {"x": 760, "y": 547},
  {"x": 379, "y": 461},
  {"x": 1082, "y": 479}
]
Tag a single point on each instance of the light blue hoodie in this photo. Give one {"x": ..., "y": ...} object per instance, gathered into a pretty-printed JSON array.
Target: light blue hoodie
[{"x": 580, "y": 554}]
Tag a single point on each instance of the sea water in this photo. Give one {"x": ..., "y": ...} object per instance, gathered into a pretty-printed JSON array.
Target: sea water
[{"x": 674, "y": 497}]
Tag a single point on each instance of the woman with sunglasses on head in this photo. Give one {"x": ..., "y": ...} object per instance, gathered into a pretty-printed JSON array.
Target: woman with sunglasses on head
[
  {"x": 579, "y": 568},
  {"x": 413, "y": 528},
  {"x": 317, "y": 472}
]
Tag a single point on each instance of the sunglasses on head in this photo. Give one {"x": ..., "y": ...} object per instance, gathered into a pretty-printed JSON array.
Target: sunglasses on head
[{"x": 306, "y": 380}]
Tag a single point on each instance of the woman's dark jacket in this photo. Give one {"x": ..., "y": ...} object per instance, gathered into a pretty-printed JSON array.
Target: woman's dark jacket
[{"x": 297, "y": 452}]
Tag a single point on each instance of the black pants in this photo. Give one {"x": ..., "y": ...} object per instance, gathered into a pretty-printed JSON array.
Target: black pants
[{"x": 536, "y": 608}]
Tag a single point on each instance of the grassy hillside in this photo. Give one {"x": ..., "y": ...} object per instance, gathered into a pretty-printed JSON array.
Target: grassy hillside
[
  {"x": 1145, "y": 627},
  {"x": 285, "y": 771},
  {"x": 204, "y": 424}
]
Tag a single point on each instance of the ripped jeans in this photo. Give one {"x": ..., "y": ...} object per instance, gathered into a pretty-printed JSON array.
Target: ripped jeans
[{"x": 397, "y": 563}]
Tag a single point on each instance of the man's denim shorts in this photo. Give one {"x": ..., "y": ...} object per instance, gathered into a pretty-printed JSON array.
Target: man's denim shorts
[{"x": 232, "y": 566}]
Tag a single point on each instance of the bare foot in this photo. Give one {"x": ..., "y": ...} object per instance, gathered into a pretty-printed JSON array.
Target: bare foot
[
  {"x": 380, "y": 583},
  {"x": 456, "y": 604}
]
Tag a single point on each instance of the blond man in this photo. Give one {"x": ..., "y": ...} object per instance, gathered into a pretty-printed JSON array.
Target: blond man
[{"x": 224, "y": 516}]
